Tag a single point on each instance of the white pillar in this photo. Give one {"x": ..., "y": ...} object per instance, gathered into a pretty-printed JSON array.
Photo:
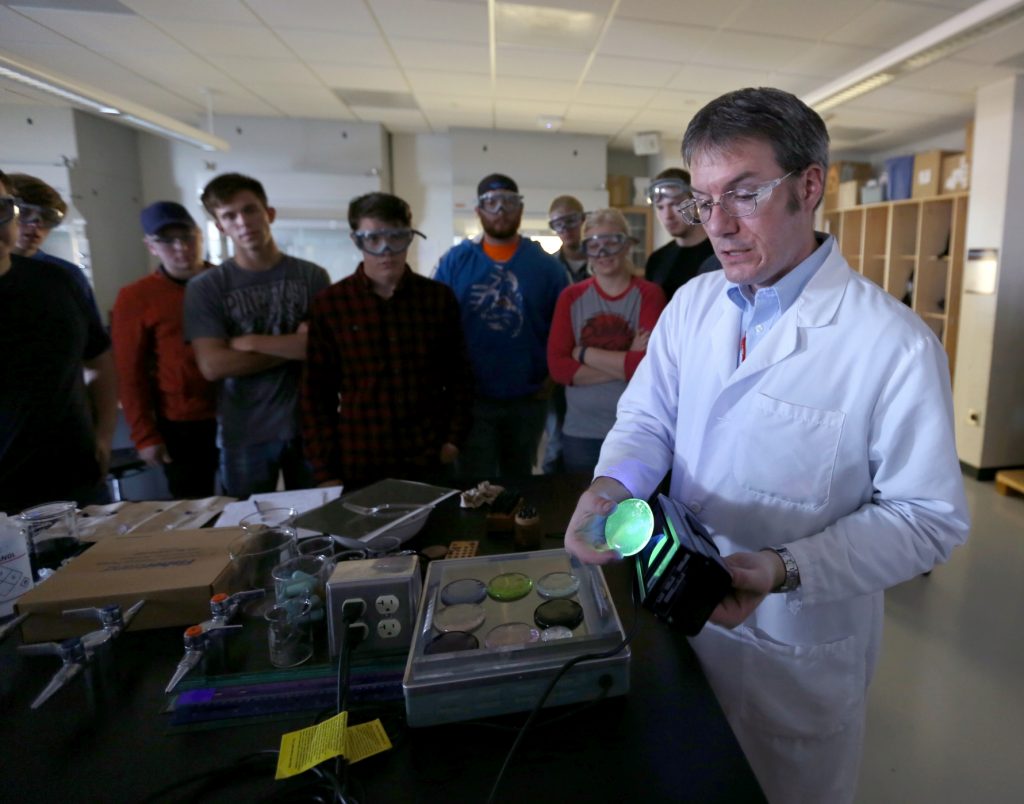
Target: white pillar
[{"x": 988, "y": 391}]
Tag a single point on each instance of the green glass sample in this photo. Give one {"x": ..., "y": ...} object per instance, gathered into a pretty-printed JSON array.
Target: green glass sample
[
  {"x": 509, "y": 586},
  {"x": 629, "y": 528}
]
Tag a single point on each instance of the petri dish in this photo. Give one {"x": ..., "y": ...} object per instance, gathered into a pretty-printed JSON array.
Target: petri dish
[
  {"x": 566, "y": 613},
  {"x": 510, "y": 634},
  {"x": 509, "y": 586},
  {"x": 466, "y": 590},
  {"x": 558, "y": 584},
  {"x": 630, "y": 526},
  {"x": 460, "y": 617},
  {"x": 451, "y": 642},
  {"x": 555, "y": 633}
]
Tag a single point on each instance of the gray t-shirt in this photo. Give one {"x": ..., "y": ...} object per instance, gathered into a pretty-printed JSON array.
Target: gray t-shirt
[{"x": 228, "y": 301}]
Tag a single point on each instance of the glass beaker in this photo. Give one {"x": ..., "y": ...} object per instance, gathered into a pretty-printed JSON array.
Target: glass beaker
[
  {"x": 257, "y": 551},
  {"x": 52, "y": 533}
]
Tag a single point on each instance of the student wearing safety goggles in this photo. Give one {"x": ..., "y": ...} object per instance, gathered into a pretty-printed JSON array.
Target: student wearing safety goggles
[
  {"x": 507, "y": 287},
  {"x": 689, "y": 253},
  {"x": 387, "y": 388},
  {"x": 52, "y": 445},
  {"x": 565, "y": 217},
  {"x": 599, "y": 336},
  {"x": 41, "y": 211}
]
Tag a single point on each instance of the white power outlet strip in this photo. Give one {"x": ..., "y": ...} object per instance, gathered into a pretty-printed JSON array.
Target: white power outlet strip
[{"x": 385, "y": 592}]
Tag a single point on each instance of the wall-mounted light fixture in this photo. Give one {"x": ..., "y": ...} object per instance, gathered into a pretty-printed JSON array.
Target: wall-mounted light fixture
[
  {"x": 955, "y": 33},
  {"x": 94, "y": 100}
]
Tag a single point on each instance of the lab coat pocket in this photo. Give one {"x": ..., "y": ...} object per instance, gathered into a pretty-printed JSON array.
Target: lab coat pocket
[
  {"x": 804, "y": 691},
  {"x": 788, "y": 452}
]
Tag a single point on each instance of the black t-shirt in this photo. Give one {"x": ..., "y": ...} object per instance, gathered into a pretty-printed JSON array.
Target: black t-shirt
[
  {"x": 47, "y": 445},
  {"x": 672, "y": 265}
]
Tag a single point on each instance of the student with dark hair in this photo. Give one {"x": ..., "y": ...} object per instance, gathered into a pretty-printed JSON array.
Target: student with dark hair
[
  {"x": 689, "y": 252},
  {"x": 51, "y": 446},
  {"x": 387, "y": 389},
  {"x": 246, "y": 320}
]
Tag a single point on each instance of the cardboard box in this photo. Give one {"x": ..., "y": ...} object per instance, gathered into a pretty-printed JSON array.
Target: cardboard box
[
  {"x": 620, "y": 191},
  {"x": 839, "y": 172},
  {"x": 872, "y": 194},
  {"x": 928, "y": 174},
  {"x": 956, "y": 174},
  {"x": 175, "y": 572},
  {"x": 848, "y": 194}
]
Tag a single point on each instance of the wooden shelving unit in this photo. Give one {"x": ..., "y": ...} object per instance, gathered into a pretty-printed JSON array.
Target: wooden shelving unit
[{"x": 915, "y": 250}]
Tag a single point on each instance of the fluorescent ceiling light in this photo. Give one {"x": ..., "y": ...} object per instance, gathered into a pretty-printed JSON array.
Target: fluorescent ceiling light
[
  {"x": 944, "y": 39},
  {"x": 132, "y": 114}
]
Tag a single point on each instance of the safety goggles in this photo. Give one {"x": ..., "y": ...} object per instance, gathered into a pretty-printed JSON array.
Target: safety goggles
[
  {"x": 606, "y": 245},
  {"x": 670, "y": 189},
  {"x": 8, "y": 207},
  {"x": 173, "y": 240},
  {"x": 496, "y": 201},
  {"x": 383, "y": 241},
  {"x": 563, "y": 223},
  {"x": 740, "y": 203},
  {"x": 43, "y": 217}
]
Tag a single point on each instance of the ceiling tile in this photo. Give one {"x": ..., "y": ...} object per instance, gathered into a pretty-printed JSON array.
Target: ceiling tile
[
  {"x": 953, "y": 75},
  {"x": 15, "y": 27},
  {"x": 706, "y": 78},
  {"x": 628, "y": 72},
  {"x": 432, "y": 19},
  {"x": 343, "y": 16},
  {"x": 450, "y": 83},
  {"x": 660, "y": 41},
  {"x": 367, "y": 50},
  {"x": 105, "y": 33},
  {"x": 540, "y": 62},
  {"x": 534, "y": 89},
  {"x": 531, "y": 108},
  {"x": 313, "y": 103},
  {"x": 680, "y": 102},
  {"x": 886, "y": 24},
  {"x": 600, "y": 113},
  {"x": 894, "y": 98},
  {"x": 683, "y": 12},
  {"x": 751, "y": 52},
  {"x": 440, "y": 119},
  {"x": 828, "y": 60},
  {"x": 453, "y": 56},
  {"x": 454, "y": 103},
  {"x": 547, "y": 26},
  {"x": 337, "y": 76},
  {"x": 796, "y": 17},
  {"x": 204, "y": 11},
  {"x": 610, "y": 95},
  {"x": 1004, "y": 44},
  {"x": 393, "y": 119},
  {"x": 252, "y": 41},
  {"x": 253, "y": 70}
]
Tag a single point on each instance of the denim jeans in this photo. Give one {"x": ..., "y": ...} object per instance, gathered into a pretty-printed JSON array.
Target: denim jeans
[
  {"x": 580, "y": 454},
  {"x": 253, "y": 469},
  {"x": 504, "y": 438}
]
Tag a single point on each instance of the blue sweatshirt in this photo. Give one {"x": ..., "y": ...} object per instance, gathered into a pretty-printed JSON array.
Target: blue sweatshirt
[{"x": 506, "y": 313}]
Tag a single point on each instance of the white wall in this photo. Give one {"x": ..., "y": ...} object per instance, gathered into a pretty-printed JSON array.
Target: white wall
[
  {"x": 423, "y": 177},
  {"x": 106, "y": 185}
]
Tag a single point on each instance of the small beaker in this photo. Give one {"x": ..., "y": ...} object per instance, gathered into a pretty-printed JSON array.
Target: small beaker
[
  {"x": 302, "y": 578},
  {"x": 289, "y": 639},
  {"x": 319, "y": 546},
  {"x": 52, "y": 533}
]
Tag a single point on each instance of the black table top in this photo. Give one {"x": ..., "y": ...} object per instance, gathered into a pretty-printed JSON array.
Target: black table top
[{"x": 667, "y": 740}]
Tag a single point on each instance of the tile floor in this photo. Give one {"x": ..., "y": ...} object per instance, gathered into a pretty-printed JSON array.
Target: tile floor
[{"x": 946, "y": 708}]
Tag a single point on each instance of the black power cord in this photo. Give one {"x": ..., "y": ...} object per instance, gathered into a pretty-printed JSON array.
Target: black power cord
[{"x": 565, "y": 668}]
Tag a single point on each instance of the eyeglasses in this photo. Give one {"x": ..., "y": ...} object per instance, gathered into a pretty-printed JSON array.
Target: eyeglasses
[
  {"x": 34, "y": 214},
  {"x": 382, "y": 241},
  {"x": 606, "y": 245},
  {"x": 563, "y": 223},
  {"x": 8, "y": 207},
  {"x": 495, "y": 202},
  {"x": 735, "y": 203},
  {"x": 662, "y": 189},
  {"x": 174, "y": 240}
]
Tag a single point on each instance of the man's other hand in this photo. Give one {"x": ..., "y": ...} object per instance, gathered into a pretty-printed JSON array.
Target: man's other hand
[{"x": 754, "y": 575}]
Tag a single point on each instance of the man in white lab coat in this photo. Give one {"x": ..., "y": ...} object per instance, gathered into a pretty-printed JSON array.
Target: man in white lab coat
[{"x": 806, "y": 417}]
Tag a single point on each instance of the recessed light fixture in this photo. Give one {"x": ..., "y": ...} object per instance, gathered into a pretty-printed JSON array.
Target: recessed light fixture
[{"x": 550, "y": 122}]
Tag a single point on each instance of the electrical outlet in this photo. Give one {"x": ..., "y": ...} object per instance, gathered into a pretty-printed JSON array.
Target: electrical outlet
[
  {"x": 387, "y": 604},
  {"x": 389, "y": 629}
]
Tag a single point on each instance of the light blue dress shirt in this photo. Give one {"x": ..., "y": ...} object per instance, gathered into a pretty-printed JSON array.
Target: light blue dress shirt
[{"x": 761, "y": 309}]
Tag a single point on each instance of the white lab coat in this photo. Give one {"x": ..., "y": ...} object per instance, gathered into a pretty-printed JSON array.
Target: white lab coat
[{"x": 834, "y": 438}]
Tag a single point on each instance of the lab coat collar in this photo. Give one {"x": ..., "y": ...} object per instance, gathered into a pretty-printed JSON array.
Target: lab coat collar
[{"x": 815, "y": 307}]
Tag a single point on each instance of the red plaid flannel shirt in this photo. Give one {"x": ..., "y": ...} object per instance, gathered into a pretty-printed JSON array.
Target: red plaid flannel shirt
[{"x": 387, "y": 382}]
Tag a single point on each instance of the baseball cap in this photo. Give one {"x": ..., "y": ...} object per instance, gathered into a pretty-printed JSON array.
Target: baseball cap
[
  {"x": 496, "y": 181},
  {"x": 164, "y": 213}
]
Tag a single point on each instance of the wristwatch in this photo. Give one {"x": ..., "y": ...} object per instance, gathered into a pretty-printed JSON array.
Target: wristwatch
[{"x": 792, "y": 580}]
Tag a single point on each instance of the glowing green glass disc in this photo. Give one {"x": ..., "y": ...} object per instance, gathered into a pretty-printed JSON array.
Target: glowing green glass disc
[{"x": 630, "y": 527}]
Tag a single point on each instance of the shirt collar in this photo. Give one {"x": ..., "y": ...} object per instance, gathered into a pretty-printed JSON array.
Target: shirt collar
[
  {"x": 364, "y": 280},
  {"x": 789, "y": 288}
]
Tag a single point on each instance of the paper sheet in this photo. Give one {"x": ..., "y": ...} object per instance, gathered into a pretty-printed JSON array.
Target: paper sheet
[
  {"x": 301, "y": 500},
  {"x": 306, "y": 748}
]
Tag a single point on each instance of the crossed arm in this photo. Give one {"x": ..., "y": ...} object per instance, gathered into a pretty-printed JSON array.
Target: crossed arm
[{"x": 219, "y": 358}]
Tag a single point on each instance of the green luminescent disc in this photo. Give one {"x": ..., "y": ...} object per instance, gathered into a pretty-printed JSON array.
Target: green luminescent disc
[{"x": 630, "y": 527}]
